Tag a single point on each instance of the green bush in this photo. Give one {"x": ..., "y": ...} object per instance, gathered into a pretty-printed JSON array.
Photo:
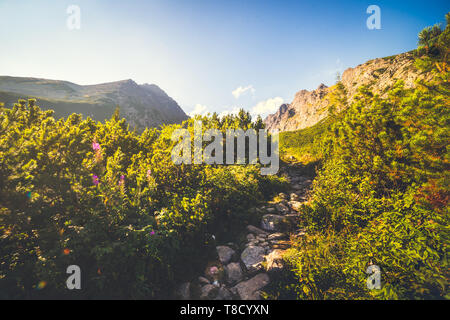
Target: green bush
[{"x": 110, "y": 200}]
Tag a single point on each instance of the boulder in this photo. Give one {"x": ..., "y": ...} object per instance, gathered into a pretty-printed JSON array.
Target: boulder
[
  {"x": 233, "y": 272},
  {"x": 275, "y": 261},
  {"x": 203, "y": 280},
  {"x": 252, "y": 257},
  {"x": 295, "y": 205},
  {"x": 184, "y": 291},
  {"x": 272, "y": 222},
  {"x": 208, "y": 292},
  {"x": 283, "y": 209},
  {"x": 256, "y": 230},
  {"x": 223, "y": 294},
  {"x": 225, "y": 254},
  {"x": 277, "y": 236},
  {"x": 250, "y": 289},
  {"x": 294, "y": 197}
]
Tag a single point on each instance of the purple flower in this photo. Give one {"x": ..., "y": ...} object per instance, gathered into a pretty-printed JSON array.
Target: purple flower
[
  {"x": 95, "y": 180},
  {"x": 213, "y": 270},
  {"x": 95, "y": 146},
  {"x": 122, "y": 180},
  {"x": 152, "y": 233}
]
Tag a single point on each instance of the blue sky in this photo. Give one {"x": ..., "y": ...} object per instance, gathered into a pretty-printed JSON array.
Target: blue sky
[{"x": 201, "y": 52}]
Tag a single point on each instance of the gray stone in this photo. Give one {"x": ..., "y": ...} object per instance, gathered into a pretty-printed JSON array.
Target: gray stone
[
  {"x": 275, "y": 261},
  {"x": 255, "y": 230},
  {"x": 184, "y": 291},
  {"x": 203, "y": 280},
  {"x": 272, "y": 222},
  {"x": 224, "y": 294},
  {"x": 277, "y": 236},
  {"x": 252, "y": 258},
  {"x": 225, "y": 254},
  {"x": 208, "y": 292},
  {"x": 250, "y": 237},
  {"x": 295, "y": 205},
  {"x": 250, "y": 289},
  {"x": 233, "y": 272}
]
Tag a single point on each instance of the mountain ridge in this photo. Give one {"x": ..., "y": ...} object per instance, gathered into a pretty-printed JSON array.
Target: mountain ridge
[
  {"x": 309, "y": 107},
  {"x": 145, "y": 105}
]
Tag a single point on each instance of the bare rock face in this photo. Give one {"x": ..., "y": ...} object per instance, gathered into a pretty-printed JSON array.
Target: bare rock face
[
  {"x": 309, "y": 107},
  {"x": 251, "y": 289}
]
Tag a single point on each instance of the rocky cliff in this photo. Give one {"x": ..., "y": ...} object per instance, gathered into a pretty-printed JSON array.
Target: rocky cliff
[{"x": 309, "y": 107}]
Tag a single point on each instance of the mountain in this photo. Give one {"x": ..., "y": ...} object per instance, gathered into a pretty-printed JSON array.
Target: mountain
[
  {"x": 309, "y": 107},
  {"x": 142, "y": 105}
]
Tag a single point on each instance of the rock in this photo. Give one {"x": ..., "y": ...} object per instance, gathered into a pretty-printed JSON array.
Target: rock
[
  {"x": 283, "y": 209},
  {"x": 224, "y": 294},
  {"x": 252, "y": 243},
  {"x": 272, "y": 222},
  {"x": 280, "y": 244},
  {"x": 295, "y": 205},
  {"x": 294, "y": 197},
  {"x": 252, "y": 258},
  {"x": 184, "y": 291},
  {"x": 250, "y": 237},
  {"x": 225, "y": 254},
  {"x": 233, "y": 272},
  {"x": 264, "y": 244},
  {"x": 203, "y": 280},
  {"x": 208, "y": 292},
  {"x": 277, "y": 236},
  {"x": 275, "y": 261},
  {"x": 282, "y": 195},
  {"x": 250, "y": 289},
  {"x": 271, "y": 210},
  {"x": 255, "y": 230}
]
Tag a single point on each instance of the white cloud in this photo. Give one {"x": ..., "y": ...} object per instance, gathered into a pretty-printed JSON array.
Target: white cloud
[
  {"x": 242, "y": 90},
  {"x": 265, "y": 107},
  {"x": 199, "y": 109},
  {"x": 229, "y": 110}
]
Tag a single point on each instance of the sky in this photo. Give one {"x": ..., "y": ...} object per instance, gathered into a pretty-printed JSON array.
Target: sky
[{"x": 208, "y": 55}]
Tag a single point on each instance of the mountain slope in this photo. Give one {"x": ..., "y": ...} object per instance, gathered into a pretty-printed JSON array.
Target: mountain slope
[
  {"x": 309, "y": 107},
  {"x": 142, "y": 105}
]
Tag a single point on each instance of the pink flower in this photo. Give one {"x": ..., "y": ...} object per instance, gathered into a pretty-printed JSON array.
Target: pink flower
[
  {"x": 95, "y": 146},
  {"x": 149, "y": 173},
  {"x": 213, "y": 270},
  {"x": 152, "y": 233},
  {"x": 122, "y": 180},
  {"x": 95, "y": 180}
]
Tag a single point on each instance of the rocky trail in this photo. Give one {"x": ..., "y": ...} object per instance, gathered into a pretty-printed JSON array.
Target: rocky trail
[{"x": 241, "y": 272}]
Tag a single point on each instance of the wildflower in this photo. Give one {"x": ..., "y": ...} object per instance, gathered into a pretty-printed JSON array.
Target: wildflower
[
  {"x": 66, "y": 251},
  {"x": 152, "y": 233},
  {"x": 149, "y": 173},
  {"x": 95, "y": 180},
  {"x": 213, "y": 270},
  {"x": 122, "y": 180},
  {"x": 96, "y": 146}
]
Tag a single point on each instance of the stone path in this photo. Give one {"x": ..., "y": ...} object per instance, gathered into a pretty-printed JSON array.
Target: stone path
[{"x": 242, "y": 272}]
